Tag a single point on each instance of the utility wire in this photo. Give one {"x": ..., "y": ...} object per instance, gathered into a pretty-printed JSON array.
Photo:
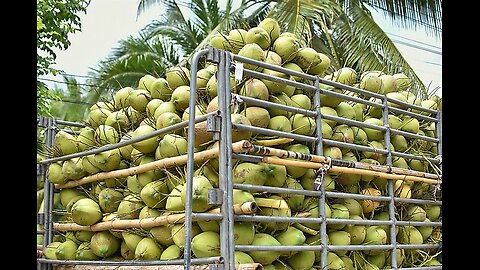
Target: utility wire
[
  {"x": 415, "y": 46},
  {"x": 416, "y": 41}
]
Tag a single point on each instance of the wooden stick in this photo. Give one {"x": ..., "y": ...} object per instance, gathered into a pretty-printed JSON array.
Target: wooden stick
[
  {"x": 146, "y": 223},
  {"x": 322, "y": 159},
  {"x": 314, "y": 165},
  {"x": 272, "y": 142},
  {"x": 158, "y": 164},
  {"x": 246, "y": 266}
]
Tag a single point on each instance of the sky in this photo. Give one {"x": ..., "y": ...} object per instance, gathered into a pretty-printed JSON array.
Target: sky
[{"x": 106, "y": 22}]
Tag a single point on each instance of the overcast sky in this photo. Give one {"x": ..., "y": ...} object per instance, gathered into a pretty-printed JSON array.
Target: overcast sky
[{"x": 109, "y": 21}]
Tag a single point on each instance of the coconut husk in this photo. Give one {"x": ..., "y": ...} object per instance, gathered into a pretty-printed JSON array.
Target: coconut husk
[
  {"x": 246, "y": 266},
  {"x": 158, "y": 164},
  {"x": 146, "y": 223}
]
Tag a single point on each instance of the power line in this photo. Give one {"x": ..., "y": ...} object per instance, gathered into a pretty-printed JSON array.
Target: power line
[
  {"x": 416, "y": 46},
  {"x": 416, "y": 41}
]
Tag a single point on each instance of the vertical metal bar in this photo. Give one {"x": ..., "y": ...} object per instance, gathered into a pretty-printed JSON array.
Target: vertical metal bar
[
  {"x": 322, "y": 198},
  {"x": 223, "y": 105},
  {"x": 228, "y": 214},
  {"x": 439, "y": 133},
  {"x": 48, "y": 193},
  {"x": 190, "y": 164},
  {"x": 391, "y": 203}
]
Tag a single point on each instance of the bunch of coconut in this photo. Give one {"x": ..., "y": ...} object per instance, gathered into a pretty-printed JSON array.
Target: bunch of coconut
[{"x": 159, "y": 102}]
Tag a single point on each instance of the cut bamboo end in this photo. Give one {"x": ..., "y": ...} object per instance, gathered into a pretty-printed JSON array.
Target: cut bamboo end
[
  {"x": 239, "y": 146},
  {"x": 271, "y": 203},
  {"x": 147, "y": 223}
]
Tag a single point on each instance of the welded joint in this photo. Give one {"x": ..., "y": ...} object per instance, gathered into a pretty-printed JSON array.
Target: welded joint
[
  {"x": 42, "y": 121},
  {"x": 213, "y": 55},
  {"x": 216, "y": 266},
  {"x": 215, "y": 196},
  {"x": 214, "y": 125}
]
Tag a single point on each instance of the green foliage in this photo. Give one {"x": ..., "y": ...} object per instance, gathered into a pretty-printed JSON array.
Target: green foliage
[{"x": 55, "y": 20}]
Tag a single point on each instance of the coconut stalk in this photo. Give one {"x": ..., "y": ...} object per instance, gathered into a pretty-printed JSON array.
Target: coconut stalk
[
  {"x": 342, "y": 165},
  {"x": 146, "y": 223},
  {"x": 176, "y": 161},
  {"x": 245, "y": 266}
]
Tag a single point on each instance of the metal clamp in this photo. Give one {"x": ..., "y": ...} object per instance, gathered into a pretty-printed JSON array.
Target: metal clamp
[
  {"x": 213, "y": 125},
  {"x": 215, "y": 196},
  {"x": 213, "y": 55}
]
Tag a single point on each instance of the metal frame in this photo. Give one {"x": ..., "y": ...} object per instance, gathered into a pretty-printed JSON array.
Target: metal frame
[{"x": 226, "y": 62}]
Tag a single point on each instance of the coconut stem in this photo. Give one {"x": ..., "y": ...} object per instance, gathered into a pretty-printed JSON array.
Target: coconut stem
[
  {"x": 239, "y": 146},
  {"x": 146, "y": 223}
]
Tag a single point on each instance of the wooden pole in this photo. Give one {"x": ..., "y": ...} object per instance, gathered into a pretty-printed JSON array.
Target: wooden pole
[
  {"x": 147, "y": 223},
  {"x": 239, "y": 146}
]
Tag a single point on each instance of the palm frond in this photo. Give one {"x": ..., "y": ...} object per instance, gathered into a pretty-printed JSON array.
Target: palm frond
[{"x": 143, "y": 5}]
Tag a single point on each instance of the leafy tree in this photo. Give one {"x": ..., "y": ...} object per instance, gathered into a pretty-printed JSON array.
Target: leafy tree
[{"x": 55, "y": 20}]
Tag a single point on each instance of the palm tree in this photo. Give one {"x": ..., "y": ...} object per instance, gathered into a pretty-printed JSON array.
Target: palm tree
[{"x": 343, "y": 29}]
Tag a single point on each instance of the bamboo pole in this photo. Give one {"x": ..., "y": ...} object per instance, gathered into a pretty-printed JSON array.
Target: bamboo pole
[
  {"x": 271, "y": 142},
  {"x": 239, "y": 146},
  {"x": 146, "y": 223},
  {"x": 316, "y": 162},
  {"x": 314, "y": 165},
  {"x": 259, "y": 149},
  {"x": 246, "y": 266}
]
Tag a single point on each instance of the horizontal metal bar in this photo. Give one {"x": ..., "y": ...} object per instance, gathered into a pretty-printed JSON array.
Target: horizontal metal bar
[
  {"x": 350, "y": 88},
  {"x": 274, "y": 133},
  {"x": 274, "y": 67},
  {"x": 277, "y": 248},
  {"x": 277, "y": 190},
  {"x": 419, "y": 246},
  {"x": 133, "y": 262},
  {"x": 415, "y": 223},
  {"x": 411, "y": 106},
  {"x": 269, "y": 104},
  {"x": 246, "y": 157},
  {"x": 206, "y": 216},
  {"x": 358, "y": 221},
  {"x": 342, "y": 195},
  {"x": 129, "y": 141},
  {"x": 416, "y": 201},
  {"x": 354, "y": 146},
  {"x": 69, "y": 123},
  {"x": 347, "y": 121},
  {"x": 259, "y": 218},
  {"x": 40, "y": 231},
  {"x": 412, "y": 114},
  {"x": 264, "y": 76},
  {"x": 412, "y": 135},
  {"x": 359, "y": 247},
  {"x": 410, "y": 156},
  {"x": 351, "y": 98}
]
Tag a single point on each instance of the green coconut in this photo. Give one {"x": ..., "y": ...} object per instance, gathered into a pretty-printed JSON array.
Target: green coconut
[
  {"x": 220, "y": 41},
  {"x": 154, "y": 194},
  {"x": 167, "y": 119},
  {"x": 280, "y": 123},
  {"x": 238, "y": 135},
  {"x": 236, "y": 39},
  {"x": 130, "y": 207},
  {"x": 49, "y": 250},
  {"x": 371, "y": 82},
  {"x": 359, "y": 109},
  {"x": 259, "y": 36},
  {"x": 309, "y": 177},
  {"x": 138, "y": 99},
  {"x": 97, "y": 117},
  {"x": 409, "y": 235},
  {"x": 294, "y": 201},
  {"x": 242, "y": 196},
  {"x": 66, "y": 143},
  {"x": 399, "y": 142},
  {"x": 290, "y": 237},
  {"x": 120, "y": 99},
  {"x": 373, "y": 134},
  {"x": 109, "y": 199},
  {"x": 67, "y": 194},
  {"x": 311, "y": 206},
  {"x": 145, "y": 146},
  {"x": 281, "y": 209},
  {"x": 357, "y": 232},
  {"x": 272, "y": 27},
  {"x": 333, "y": 152},
  {"x": 296, "y": 172},
  {"x": 327, "y": 131},
  {"x": 181, "y": 97},
  {"x": 209, "y": 225},
  {"x": 166, "y": 106},
  {"x": 426, "y": 231},
  {"x": 133, "y": 185},
  {"x": 148, "y": 249},
  {"x": 432, "y": 211},
  {"x": 200, "y": 188},
  {"x": 283, "y": 99},
  {"x": 106, "y": 135},
  {"x": 66, "y": 250},
  {"x": 72, "y": 169},
  {"x": 308, "y": 59},
  {"x": 134, "y": 116},
  {"x": 104, "y": 244},
  {"x": 433, "y": 262},
  {"x": 334, "y": 262},
  {"x": 327, "y": 99},
  {"x": 349, "y": 265},
  {"x": 206, "y": 244},
  {"x": 148, "y": 176},
  {"x": 177, "y": 76},
  {"x": 341, "y": 238},
  {"x": 343, "y": 133},
  {"x": 394, "y": 122},
  {"x": 338, "y": 211},
  {"x": 174, "y": 201},
  {"x": 274, "y": 87},
  {"x": 160, "y": 89},
  {"x": 303, "y": 125},
  {"x": 345, "y": 110},
  {"x": 85, "y": 253},
  {"x": 203, "y": 76},
  {"x": 131, "y": 239},
  {"x": 329, "y": 111},
  {"x": 177, "y": 232},
  {"x": 126, "y": 253},
  {"x": 410, "y": 124},
  {"x": 55, "y": 175},
  {"x": 353, "y": 206},
  {"x": 377, "y": 260},
  {"x": 415, "y": 213},
  {"x": 286, "y": 46},
  {"x": 276, "y": 175},
  {"x": 171, "y": 253},
  {"x": 173, "y": 145},
  {"x": 108, "y": 160},
  {"x": 255, "y": 52},
  {"x": 301, "y": 101},
  {"x": 255, "y": 88},
  {"x": 294, "y": 67},
  {"x": 375, "y": 236},
  {"x": 119, "y": 120},
  {"x": 402, "y": 81},
  {"x": 83, "y": 236},
  {"x": 359, "y": 136},
  {"x": 258, "y": 117},
  {"x": 243, "y": 258},
  {"x": 86, "y": 212},
  {"x": 345, "y": 75},
  {"x": 162, "y": 234},
  {"x": 389, "y": 83},
  {"x": 86, "y": 138},
  {"x": 249, "y": 173},
  {"x": 273, "y": 58},
  {"x": 302, "y": 260},
  {"x": 418, "y": 165},
  {"x": 264, "y": 257}
]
